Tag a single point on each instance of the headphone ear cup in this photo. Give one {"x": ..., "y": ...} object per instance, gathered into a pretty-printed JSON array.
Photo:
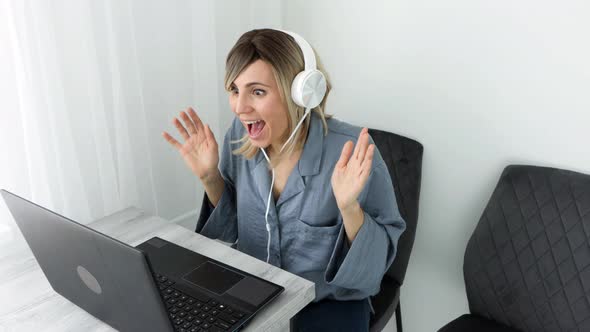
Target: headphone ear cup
[{"x": 308, "y": 88}]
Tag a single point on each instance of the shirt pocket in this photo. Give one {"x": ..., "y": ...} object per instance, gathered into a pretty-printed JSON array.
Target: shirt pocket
[
  {"x": 310, "y": 246},
  {"x": 319, "y": 208}
]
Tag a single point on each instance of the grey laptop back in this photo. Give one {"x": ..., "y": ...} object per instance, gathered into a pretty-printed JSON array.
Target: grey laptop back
[{"x": 91, "y": 269}]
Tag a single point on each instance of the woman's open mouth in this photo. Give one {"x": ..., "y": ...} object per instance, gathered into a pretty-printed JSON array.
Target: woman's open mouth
[{"x": 255, "y": 128}]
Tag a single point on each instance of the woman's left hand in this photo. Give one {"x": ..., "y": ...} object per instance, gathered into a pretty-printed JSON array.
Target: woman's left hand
[{"x": 352, "y": 171}]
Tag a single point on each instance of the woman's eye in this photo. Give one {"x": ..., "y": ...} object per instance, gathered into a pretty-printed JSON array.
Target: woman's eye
[{"x": 259, "y": 92}]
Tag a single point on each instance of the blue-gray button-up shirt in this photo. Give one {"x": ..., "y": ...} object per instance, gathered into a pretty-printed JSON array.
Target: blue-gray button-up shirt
[{"x": 307, "y": 232}]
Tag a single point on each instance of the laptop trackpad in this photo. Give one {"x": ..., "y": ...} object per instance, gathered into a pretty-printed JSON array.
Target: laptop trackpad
[{"x": 213, "y": 277}]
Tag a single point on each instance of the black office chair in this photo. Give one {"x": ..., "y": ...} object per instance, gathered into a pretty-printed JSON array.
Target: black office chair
[
  {"x": 527, "y": 264},
  {"x": 403, "y": 157}
]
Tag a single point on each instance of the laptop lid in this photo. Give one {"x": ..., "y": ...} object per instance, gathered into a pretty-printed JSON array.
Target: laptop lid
[{"x": 107, "y": 278}]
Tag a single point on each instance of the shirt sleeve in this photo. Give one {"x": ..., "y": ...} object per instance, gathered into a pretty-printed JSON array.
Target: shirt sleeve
[
  {"x": 361, "y": 265},
  {"x": 221, "y": 222}
]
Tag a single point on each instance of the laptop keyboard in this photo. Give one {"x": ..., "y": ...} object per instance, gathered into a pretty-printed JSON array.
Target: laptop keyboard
[{"x": 196, "y": 314}]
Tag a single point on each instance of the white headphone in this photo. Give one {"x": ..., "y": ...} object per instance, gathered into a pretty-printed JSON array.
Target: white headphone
[
  {"x": 309, "y": 86},
  {"x": 307, "y": 90}
]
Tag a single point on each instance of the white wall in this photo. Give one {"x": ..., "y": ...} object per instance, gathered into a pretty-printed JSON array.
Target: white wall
[{"x": 480, "y": 84}]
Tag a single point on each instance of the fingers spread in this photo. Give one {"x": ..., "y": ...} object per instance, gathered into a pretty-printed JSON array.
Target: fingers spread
[
  {"x": 172, "y": 141},
  {"x": 366, "y": 165},
  {"x": 181, "y": 129},
  {"x": 210, "y": 136},
  {"x": 357, "y": 148},
  {"x": 363, "y": 143},
  {"x": 345, "y": 155},
  {"x": 189, "y": 123},
  {"x": 368, "y": 160},
  {"x": 196, "y": 119}
]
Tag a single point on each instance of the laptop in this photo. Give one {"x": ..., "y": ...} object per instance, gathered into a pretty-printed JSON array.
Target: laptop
[{"x": 156, "y": 286}]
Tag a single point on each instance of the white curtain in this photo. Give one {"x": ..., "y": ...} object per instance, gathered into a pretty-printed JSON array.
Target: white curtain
[
  {"x": 87, "y": 87},
  {"x": 78, "y": 134}
]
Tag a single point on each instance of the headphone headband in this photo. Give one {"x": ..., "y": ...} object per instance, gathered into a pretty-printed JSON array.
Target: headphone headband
[{"x": 306, "y": 49}]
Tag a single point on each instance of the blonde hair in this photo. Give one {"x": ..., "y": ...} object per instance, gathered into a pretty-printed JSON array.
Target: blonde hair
[{"x": 286, "y": 59}]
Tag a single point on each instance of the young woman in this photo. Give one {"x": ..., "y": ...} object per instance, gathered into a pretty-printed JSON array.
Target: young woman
[{"x": 291, "y": 187}]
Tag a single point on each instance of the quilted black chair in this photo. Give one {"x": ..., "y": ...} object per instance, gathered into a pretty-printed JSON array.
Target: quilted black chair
[
  {"x": 527, "y": 264},
  {"x": 403, "y": 157}
]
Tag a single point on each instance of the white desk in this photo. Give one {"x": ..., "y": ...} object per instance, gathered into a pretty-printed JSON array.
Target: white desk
[{"x": 28, "y": 303}]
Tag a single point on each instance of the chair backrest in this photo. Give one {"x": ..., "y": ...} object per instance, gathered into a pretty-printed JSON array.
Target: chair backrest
[
  {"x": 527, "y": 264},
  {"x": 403, "y": 157}
]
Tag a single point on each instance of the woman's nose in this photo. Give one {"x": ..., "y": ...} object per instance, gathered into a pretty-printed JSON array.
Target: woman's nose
[{"x": 242, "y": 104}]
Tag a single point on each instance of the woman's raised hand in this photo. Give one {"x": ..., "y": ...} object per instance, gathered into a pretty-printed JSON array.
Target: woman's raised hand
[
  {"x": 199, "y": 150},
  {"x": 352, "y": 170}
]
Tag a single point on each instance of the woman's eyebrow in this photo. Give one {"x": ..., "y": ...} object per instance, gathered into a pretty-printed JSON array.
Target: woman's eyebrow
[{"x": 257, "y": 83}]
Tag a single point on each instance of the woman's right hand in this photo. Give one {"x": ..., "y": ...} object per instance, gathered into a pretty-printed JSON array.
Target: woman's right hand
[{"x": 199, "y": 151}]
